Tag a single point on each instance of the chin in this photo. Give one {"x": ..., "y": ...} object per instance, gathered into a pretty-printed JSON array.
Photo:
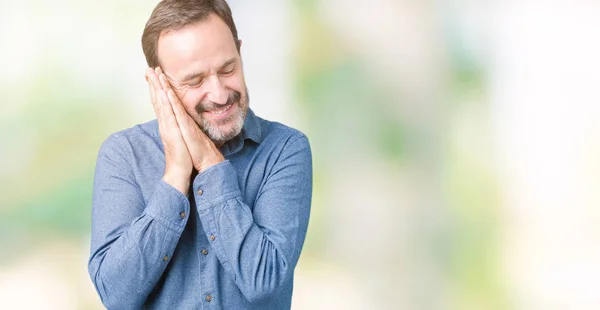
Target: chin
[
  {"x": 223, "y": 135},
  {"x": 227, "y": 130}
]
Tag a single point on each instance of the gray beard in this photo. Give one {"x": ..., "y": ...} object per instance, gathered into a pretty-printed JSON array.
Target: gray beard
[{"x": 219, "y": 136}]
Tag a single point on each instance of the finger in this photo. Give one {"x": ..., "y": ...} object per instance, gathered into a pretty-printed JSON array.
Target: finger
[
  {"x": 153, "y": 76},
  {"x": 170, "y": 127},
  {"x": 152, "y": 92},
  {"x": 152, "y": 81},
  {"x": 147, "y": 77},
  {"x": 163, "y": 81},
  {"x": 157, "y": 103},
  {"x": 181, "y": 115},
  {"x": 162, "y": 78},
  {"x": 174, "y": 102},
  {"x": 178, "y": 108},
  {"x": 167, "y": 123},
  {"x": 162, "y": 106},
  {"x": 187, "y": 125},
  {"x": 192, "y": 135},
  {"x": 165, "y": 111}
]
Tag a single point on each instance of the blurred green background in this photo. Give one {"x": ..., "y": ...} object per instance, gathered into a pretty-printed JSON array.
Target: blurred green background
[{"x": 456, "y": 145}]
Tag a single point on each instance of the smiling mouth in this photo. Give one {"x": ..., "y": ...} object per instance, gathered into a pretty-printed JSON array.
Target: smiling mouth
[{"x": 220, "y": 111}]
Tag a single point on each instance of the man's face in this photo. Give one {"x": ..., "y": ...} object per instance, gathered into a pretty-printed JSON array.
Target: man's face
[{"x": 204, "y": 68}]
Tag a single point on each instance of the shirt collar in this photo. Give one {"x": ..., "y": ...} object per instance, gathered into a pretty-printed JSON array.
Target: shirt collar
[{"x": 251, "y": 129}]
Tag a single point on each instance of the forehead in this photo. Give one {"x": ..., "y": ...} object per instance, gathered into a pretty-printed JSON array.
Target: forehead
[{"x": 200, "y": 46}]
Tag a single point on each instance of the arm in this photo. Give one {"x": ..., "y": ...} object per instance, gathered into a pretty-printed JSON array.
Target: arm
[
  {"x": 130, "y": 239},
  {"x": 259, "y": 249},
  {"x": 133, "y": 240}
]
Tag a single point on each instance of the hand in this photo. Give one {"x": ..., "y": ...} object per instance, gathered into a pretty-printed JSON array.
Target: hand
[
  {"x": 203, "y": 151},
  {"x": 178, "y": 163}
]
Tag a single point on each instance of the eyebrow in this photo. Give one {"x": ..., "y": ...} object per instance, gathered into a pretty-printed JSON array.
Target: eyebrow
[{"x": 193, "y": 75}]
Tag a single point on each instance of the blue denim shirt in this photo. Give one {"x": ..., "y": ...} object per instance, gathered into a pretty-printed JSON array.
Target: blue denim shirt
[{"x": 232, "y": 243}]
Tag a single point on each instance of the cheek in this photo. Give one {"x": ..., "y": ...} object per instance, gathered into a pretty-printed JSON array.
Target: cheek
[{"x": 235, "y": 83}]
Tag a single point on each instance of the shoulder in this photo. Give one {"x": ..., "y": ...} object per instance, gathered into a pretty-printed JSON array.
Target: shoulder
[
  {"x": 280, "y": 134},
  {"x": 148, "y": 129},
  {"x": 129, "y": 138}
]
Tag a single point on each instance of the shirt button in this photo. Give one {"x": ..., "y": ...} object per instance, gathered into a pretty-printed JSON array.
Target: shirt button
[
  {"x": 200, "y": 192},
  {"x": 182, "y": 214},
  {"x": 205, "y": 252},
  {"x": 208, "y": 298},
  {"x": 166, "y": 258},
  {"x": 212, "y": 237}
]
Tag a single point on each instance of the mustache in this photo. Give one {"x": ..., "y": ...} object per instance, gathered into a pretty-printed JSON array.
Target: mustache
[{"x": 234, "y": 96}]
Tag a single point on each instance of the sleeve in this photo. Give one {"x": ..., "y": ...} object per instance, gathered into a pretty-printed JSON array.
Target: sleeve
[
  {"x": 259, "y": 249},
  {"x": 132, "y": 240}
]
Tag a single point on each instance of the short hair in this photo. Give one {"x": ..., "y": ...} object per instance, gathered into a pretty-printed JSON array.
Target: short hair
[{"x": 171, "y": 15}]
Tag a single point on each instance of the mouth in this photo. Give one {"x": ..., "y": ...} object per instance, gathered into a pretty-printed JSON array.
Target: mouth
[{"x": 221, "y": 113}]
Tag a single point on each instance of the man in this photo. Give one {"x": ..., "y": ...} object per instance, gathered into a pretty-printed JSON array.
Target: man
[{"x": 207, "y": 206}]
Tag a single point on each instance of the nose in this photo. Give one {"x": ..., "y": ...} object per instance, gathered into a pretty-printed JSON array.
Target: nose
[{"x": 215, "y": 91}]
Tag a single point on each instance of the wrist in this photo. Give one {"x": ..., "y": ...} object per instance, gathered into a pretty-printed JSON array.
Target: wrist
[
  {"x": 180, "y": 181},
  {"x": 209, "y": 162}
]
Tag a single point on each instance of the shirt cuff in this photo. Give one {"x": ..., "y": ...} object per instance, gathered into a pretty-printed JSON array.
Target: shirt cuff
[
  {"x": 169, "y": 206},
  {"x": 216, "y": 185}
]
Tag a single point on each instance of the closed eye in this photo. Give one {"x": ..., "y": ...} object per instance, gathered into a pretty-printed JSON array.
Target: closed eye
[
  {"x": 195, "y": 83},
  {"x": 227, "y": 72}
]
